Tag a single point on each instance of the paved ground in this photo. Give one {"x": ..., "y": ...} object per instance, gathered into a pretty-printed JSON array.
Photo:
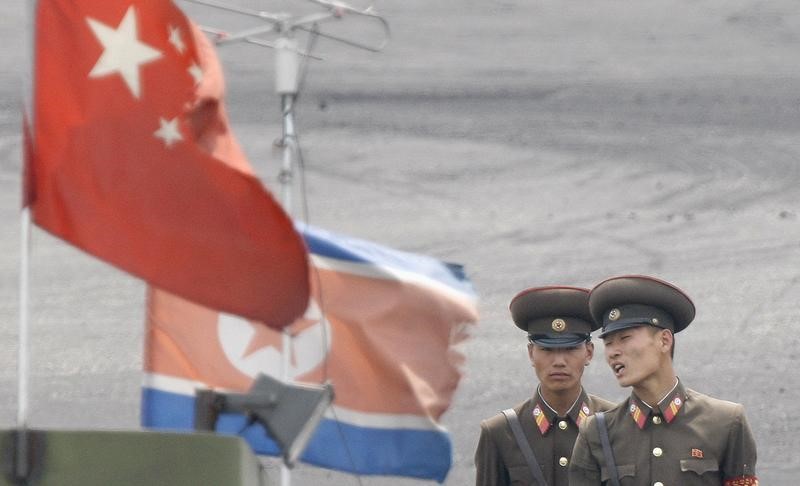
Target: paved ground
[{"x": 535, "y": 142}]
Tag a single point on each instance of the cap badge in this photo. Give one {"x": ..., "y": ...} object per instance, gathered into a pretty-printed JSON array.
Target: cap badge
[
  {"x": 654, "y": 321},
  {"x": 559, "y": 325},
  {"x": 614, "y": 314}
]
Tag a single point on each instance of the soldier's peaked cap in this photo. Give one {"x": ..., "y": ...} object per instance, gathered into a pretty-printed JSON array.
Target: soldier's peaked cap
[
  {"x": 555, "y": 316},
  {"x": 637, "y": 300}
]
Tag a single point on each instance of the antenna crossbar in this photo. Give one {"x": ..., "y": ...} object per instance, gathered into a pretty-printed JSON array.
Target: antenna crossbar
[{"x": 283, "y": 24}]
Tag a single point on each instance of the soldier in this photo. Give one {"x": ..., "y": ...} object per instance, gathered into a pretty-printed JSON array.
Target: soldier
[
  {"x": 664, "y": 434},
  {"x": 531, "y": 444}
]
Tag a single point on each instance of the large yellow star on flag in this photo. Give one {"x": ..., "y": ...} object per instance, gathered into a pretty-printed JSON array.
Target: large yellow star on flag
[{"x": 123, "y": 53}]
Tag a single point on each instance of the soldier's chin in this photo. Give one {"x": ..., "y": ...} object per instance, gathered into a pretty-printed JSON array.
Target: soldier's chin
[{"x": 624, "y": 381}]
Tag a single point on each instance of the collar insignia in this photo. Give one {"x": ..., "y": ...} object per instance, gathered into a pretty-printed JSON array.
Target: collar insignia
[
  {"x": 540, "y": 419},
  {"x": 672, "y": 404},
  {"x": 582, "y": 414},
  {"x": 638, "y": 415},
  {"x": 668, "y": 407}
]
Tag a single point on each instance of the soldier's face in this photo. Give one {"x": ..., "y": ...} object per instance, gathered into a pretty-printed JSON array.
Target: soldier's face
[
  {"x": 560, "y": 369},
  {"x": 634, "y": 354}
]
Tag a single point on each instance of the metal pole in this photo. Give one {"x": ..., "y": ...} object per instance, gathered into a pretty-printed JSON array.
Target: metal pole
[
  {"x": 288, "y": 143},
  {"x": 21, "y": 465},
  {"x": 286, "y": 72},
  {"x": 22, "y": 352}
]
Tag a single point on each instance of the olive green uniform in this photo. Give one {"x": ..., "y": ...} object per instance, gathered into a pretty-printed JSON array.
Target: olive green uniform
[
  {"x": 498, "y": 459},
  {"x": 688, "y": 439}
]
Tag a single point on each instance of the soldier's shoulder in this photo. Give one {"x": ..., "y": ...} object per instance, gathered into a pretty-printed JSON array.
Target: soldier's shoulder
[
  {"x": 498, "y": 420},
  {"x": 600, "y": 404},
  {"x": 708, "y": 403},
  {"x": 611, "y": 413}
]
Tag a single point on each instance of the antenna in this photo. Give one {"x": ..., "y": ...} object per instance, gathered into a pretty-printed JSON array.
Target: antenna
[
  {"x": 283, "y": 27},
  {"x": 284, "y": 23},
  {"x": 287, "y": 58}
]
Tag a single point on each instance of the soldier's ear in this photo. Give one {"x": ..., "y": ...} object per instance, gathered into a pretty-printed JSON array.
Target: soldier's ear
[{"x": 666, "y": 339}]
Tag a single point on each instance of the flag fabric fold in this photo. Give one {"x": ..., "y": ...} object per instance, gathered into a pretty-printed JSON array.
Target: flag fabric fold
[
  {"x": 131, "y": 159},
  {"x": 383, "y": 326}
]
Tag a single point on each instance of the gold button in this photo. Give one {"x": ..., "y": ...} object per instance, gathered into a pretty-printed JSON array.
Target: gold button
[
  {"x": 657, "y": 452},
  {"x": 658, "y": 483},
  {"x": 562, "y": 425},
  {"x": 656, "y": 420},
  {"x": 563, "y": 462}
]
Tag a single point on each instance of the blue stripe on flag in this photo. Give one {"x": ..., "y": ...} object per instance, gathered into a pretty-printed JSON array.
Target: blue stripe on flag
[
  {"x": 424, "y": 454},
  {"x": 354, "y": 250}
]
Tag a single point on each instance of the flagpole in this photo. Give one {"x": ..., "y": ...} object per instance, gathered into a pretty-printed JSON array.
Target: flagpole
[
  {"x": 286, "y": 72},
  {"x": 20, "y": 465},
  {"x": 22, "y": 352}
]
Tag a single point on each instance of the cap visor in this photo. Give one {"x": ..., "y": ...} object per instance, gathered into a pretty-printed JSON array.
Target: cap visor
[
  {"x": 621, "y": 326},
  {"x": 567, "y": 341}
]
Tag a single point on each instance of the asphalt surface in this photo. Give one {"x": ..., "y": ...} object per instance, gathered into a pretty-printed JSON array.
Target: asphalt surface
[{"x": 536, "y": 142}]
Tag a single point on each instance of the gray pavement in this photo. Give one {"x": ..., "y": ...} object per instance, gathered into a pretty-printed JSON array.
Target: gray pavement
[{"x": 535, "y": 142}]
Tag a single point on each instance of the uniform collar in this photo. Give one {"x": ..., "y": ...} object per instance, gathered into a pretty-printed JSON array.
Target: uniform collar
[
  {"x": 544, "y": 415},
  {"x": 668, "y": 407}
]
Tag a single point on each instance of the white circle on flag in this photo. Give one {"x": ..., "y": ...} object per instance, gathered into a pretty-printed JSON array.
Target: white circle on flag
[{"x": 309, "y": 345}]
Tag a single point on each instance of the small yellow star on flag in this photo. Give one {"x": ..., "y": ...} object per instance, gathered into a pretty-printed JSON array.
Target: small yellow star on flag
[
  {"x": 196, "y": 73},
  {"x": 176, "y": 39},
  {"x": 168, "y": 131}
]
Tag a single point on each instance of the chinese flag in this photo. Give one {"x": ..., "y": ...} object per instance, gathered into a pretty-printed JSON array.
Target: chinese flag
[{"x": 132, "y": 160}]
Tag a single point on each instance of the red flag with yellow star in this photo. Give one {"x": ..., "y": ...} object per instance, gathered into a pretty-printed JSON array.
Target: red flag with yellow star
[{"x": 131, "y": 159}]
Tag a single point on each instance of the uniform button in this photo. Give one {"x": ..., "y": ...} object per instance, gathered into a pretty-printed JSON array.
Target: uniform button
[
  {"x": 564, "y": 461},
  {"x": 562, "y": 425},
  {"x": 658, "y": 483},
  {"x": 657, "y": 452},
  {"x": 657, "y": 420}
]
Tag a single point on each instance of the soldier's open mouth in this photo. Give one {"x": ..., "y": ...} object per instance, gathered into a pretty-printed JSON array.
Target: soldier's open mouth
[{"x": 618, "y": 369}]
